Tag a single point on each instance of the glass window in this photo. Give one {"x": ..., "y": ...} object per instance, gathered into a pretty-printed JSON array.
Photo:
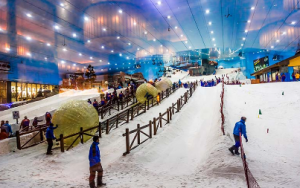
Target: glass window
[
  {"x": 33, "y": 91},
  {"x": 24, "y": 91},
  {"x": 13, "y": 91},
  {"x": 19, "y": 91},
  {"x": 3, "y": 92},
  {"x": 29, "y": 93}
]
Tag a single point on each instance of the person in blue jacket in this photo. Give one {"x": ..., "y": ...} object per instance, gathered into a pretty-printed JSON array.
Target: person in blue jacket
[
  {"x": 240, "y": 127},
  {"x": 8, "y": 128},
  {"x": 50, "y": 136},
  {"x": 95, "y": 164},
  {"x": 179, "y": 82}
]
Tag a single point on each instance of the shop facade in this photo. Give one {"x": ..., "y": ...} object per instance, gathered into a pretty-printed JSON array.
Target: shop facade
[{"x": 20, "y": 91}]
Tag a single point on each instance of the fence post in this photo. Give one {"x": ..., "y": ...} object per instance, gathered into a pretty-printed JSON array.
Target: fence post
[
  {"x": 127, "y": 121},
  {"x": 185, "y": 97},
  {"x": 109, "y": 110},
  {"x": 107, "y": 126},
  {"x": 178, "y": 105},
  {"x": 170, "y": 112},
  {"x": 101, "y": 112},
  {"x": 118, "y": 105},
  {"x": 122, "y": 106},
  {"x": 173, "y": 108},
  {"x": 41, "y": 135},
  {"x": 160, "y": 120},
  {"x": 152, "y": 102},
  {"x": 138, "y": 134},
  {"x": 127, "y": 142},
  {"x": 154, "y": 125},
  {"x": 61, "y": 141},
  {"x": 168, "y": 116},
  {"x": 117, "y": 123},
  {"x": 145, "y": 107},
  {"x": 148, "y": 102},
  {"x": 131, "y": 113},
  {"x": 100, "y": 130},
  {"x": 81, "y": 135},
  {"x": 18, "y": 140},
  {"x": 150, "y": 129},
  {"x": 191, "y": 91}
]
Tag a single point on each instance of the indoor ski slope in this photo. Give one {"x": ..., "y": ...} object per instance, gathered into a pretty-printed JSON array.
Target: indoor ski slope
[{"x": 182, "y": 154}]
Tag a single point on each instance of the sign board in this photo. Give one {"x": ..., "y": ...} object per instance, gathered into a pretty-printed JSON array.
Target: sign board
[
  {"x": 16, "y": 114},
  {"x": 261, "y": 63}
]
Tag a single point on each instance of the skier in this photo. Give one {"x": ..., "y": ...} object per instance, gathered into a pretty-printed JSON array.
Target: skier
[
  {"x": 121, "y": 96},
  {"x": 95, "y": 164},
  {"x": 8, "y": 129},
  {"x": 25, "y": 124},
  {"x": 283, "y": 77},
  {"x": 50, "y": 136},
  {"x": 48, "y": 118},
  {"x": 240, "y": 127},
  {"x": 179, "y": 82}
]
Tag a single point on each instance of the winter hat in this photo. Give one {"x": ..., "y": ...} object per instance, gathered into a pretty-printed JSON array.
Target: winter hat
[{"x": 95, "y": 138}]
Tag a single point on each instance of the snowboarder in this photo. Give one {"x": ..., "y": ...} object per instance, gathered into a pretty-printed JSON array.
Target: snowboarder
[
  {"x": 95, "y": 164},
  {"x": 240, "y": 127},
  {"x": 25, "y": 124},
  {"x": 50, "y": 136}
]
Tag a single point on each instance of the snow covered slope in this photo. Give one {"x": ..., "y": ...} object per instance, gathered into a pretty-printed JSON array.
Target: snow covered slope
[{"x": 273, "y": 157}]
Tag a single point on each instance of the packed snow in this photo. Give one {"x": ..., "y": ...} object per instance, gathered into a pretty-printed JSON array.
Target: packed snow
[{"x": 190, "y": 151}]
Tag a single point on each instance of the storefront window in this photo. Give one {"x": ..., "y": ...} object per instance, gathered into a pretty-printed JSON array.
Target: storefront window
[
  {"x": 33, "y": 91},
  {"x": 24, "y": 91},
  {"x": 3, "y": 93},
  {"x": 13, "y": 92},
  {"x": 29, "y": 94},
  {"x": 19, "y": 91}
]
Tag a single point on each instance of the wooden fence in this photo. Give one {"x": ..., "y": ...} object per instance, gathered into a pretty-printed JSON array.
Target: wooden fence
[
  {"x": 115, "y": 121},
  {"x": 153, "y": 126},
  {"x": 222, "y": 105}
]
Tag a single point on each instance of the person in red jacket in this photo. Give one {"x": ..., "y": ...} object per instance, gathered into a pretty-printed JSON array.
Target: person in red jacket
[
  {"x": 25, "y": 124},
  {"x": 48, "y": 118}
]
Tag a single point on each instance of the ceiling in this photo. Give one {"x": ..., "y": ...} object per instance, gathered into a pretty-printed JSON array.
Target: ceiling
[{"x": 113, "y": 35}]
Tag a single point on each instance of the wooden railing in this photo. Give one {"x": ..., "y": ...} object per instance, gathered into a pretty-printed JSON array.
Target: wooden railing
[
  {"x": 222, "y": 105},
  {"x": 117, "y": 120},
  {"x": 158, "y": 122}
]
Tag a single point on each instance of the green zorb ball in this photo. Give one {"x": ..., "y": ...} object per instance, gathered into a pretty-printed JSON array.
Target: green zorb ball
[
  {"x": 71, "y": 116},
  {"x": 144, "y": 90},
  {"x": 163, "y": 84}
]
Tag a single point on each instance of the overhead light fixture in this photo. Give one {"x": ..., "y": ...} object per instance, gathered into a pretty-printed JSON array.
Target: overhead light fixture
[
  {"x": 284, "y": 33},
  {"x": 181, "y": 36},
  {"x": 213, "y": 39},
  {"x": 176, "y": 27},
  {"x": 138, "y": 49},
  {"x": 214, "y": 44},
  {"x": 252, "y": 8},
  {"x": 108, "y": 63},
  {"x": 112, "y": 51},
  {"x": 74, "y": 65},
  {"x": 134, "y": 23},
  {"x": 29, "y": 15},
  {"x": 277, "y": 40},
  {"x": 28, "y": 54},
  {"x": 244, "y": 38},
  {"x": 186, "y": 42},
  {"x": 91, "y": 57},
  {"x": 7, "y": 49},
  {"x": 190, "y": 47},
  {"x": 63, "y": 62},
  {"x": 293, "y": 23},
  {"x": 118, "y": 37},
  {"x": 61, "y": 4},
  {"x": 212, "y": 32},
  {"x": 86, "y": 18},
  {"x": 100, "y": 60},
  {"x": 145, "y": 32},
  {"x": 246, "y": 31},
  {"x": 154, "y": 40},
  {"x": 272, "y": 47},
  {"x": 209, "y": 23},
  {"x": 64, "y": 49},
  {"x": 80, "y": 54},
  {"x": 159, "y": 2},
  {"x": 127, "y": 57},
  {"x": 102, "y": 47},
  {"x": 207, "y": 11},
  {"x": 104, "y": 29},
  {"x": 120, "y": 11},
  {"x": 48, "y": 44},
  {"x": 45, "y": 58},
  {"x": 242, "y": 44},
  {"x": 129, "y": 44},
  {"x": 28, "y": 38},
  {"x": 249, "y": 21},
  {"x": 56, "y": 27},
  {"x": 169, "y": 17},
  {"x": 120, "y": 54},
  {"x": 89, "y": 41},
  {"x": 74, "y": 35}
]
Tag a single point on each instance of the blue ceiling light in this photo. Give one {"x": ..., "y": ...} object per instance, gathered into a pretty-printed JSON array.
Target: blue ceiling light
[{"x": 207, "y": 11}]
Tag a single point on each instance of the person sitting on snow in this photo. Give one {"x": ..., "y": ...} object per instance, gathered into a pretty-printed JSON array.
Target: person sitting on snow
[{"x": 240, "y": 127}]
